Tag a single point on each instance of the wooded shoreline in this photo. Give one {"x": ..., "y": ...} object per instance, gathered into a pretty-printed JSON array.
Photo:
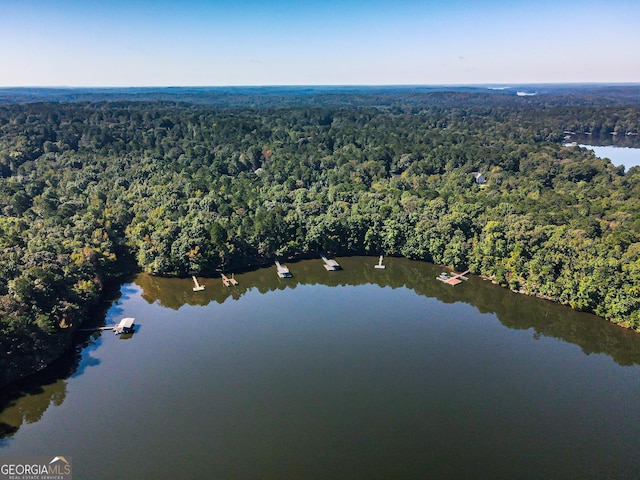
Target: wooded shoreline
[
  {"x": 70, "y": 339},
  {"x": 89, "y": 191}
]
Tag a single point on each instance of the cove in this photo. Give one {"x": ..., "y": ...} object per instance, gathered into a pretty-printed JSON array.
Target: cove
[
  {"x": 360, "y": 373},
  {"x": 628, "y": 157}
]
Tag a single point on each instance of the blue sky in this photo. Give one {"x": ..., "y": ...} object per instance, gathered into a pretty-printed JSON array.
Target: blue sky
[{"x": 287, "y": 42}]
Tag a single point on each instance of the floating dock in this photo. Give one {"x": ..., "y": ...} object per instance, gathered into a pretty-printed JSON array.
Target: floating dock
[
  {"x": 197, "y": 287},
  {"x": 283, "y": 271},
  {"x": 452, "y": 279},
  {"x": 227, "y": 281},
  {"x": 330, "y": 265},
  {"x": 379, "y": 265}
]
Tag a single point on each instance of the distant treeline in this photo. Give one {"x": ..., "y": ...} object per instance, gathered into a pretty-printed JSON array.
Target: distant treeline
[
  {"x": 334, "y": 96},
  {"x": 91, "y": 190}
]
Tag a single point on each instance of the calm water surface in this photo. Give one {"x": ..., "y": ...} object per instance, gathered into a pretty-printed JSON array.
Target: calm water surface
[
  {"x": 625, "y": 156},
  {"x": 361, "y": 373}
]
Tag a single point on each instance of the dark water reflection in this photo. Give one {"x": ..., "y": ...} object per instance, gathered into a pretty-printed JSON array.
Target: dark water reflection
[
  {"x": 25, "y": 402},
  {"x": 360, "y": 373},
  {"x": 622, "y": 141},
  {"x": 590, "y": 333}
]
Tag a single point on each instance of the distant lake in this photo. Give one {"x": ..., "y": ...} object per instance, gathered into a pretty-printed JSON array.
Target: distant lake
[
  {"x": 625, "y": 156},
  {"x": 360, "y": 373}
]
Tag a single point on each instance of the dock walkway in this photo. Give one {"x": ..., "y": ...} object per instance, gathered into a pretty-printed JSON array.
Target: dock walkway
[
  {"x": 96, "y": 329},
  {"x": 453, "y": 280},
  {"x": 197, "y": 287},
  {"x": 227, "y": 281},
  {"x": 330, "y": 265},
  {"x": 126, "y": 325}
]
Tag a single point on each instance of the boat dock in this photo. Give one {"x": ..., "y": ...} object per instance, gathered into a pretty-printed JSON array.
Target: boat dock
[
  {"x": 283, "y": 271},
  {"x": 197, "y": 287},
  {"x": 330, "y": 265},
  {"x": 126, "y": 325},
  {"x": 379, "y": 265},
  {"x": 452, "y": 279},
  {"x": 227, "y": 281}
]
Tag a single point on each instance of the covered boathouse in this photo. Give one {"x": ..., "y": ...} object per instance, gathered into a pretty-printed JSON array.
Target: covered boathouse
[{"x": 126, "y": 325}]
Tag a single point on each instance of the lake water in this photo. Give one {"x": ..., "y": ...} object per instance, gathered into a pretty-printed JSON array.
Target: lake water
[
  {"x": 360, "y": 373},
  {"x": 625, "y": 156}
]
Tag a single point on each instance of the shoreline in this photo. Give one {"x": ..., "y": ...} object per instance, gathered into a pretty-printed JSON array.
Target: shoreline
[{"x": 67, "y": 339}]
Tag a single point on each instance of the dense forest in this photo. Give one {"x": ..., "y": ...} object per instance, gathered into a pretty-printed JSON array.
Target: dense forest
[{"x": 92, "y": 190}]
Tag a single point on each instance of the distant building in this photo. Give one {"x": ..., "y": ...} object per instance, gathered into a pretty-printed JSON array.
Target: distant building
[{"x": 480, "y": 180}]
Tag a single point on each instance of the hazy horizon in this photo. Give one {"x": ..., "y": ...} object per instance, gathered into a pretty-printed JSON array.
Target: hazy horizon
[{"x": 488, "y": 86}]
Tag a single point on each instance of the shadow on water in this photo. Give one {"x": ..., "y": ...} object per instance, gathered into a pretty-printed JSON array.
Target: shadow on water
[
  {"x": 26, "y": 401},
  {"x": 129, "y": 335}
]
